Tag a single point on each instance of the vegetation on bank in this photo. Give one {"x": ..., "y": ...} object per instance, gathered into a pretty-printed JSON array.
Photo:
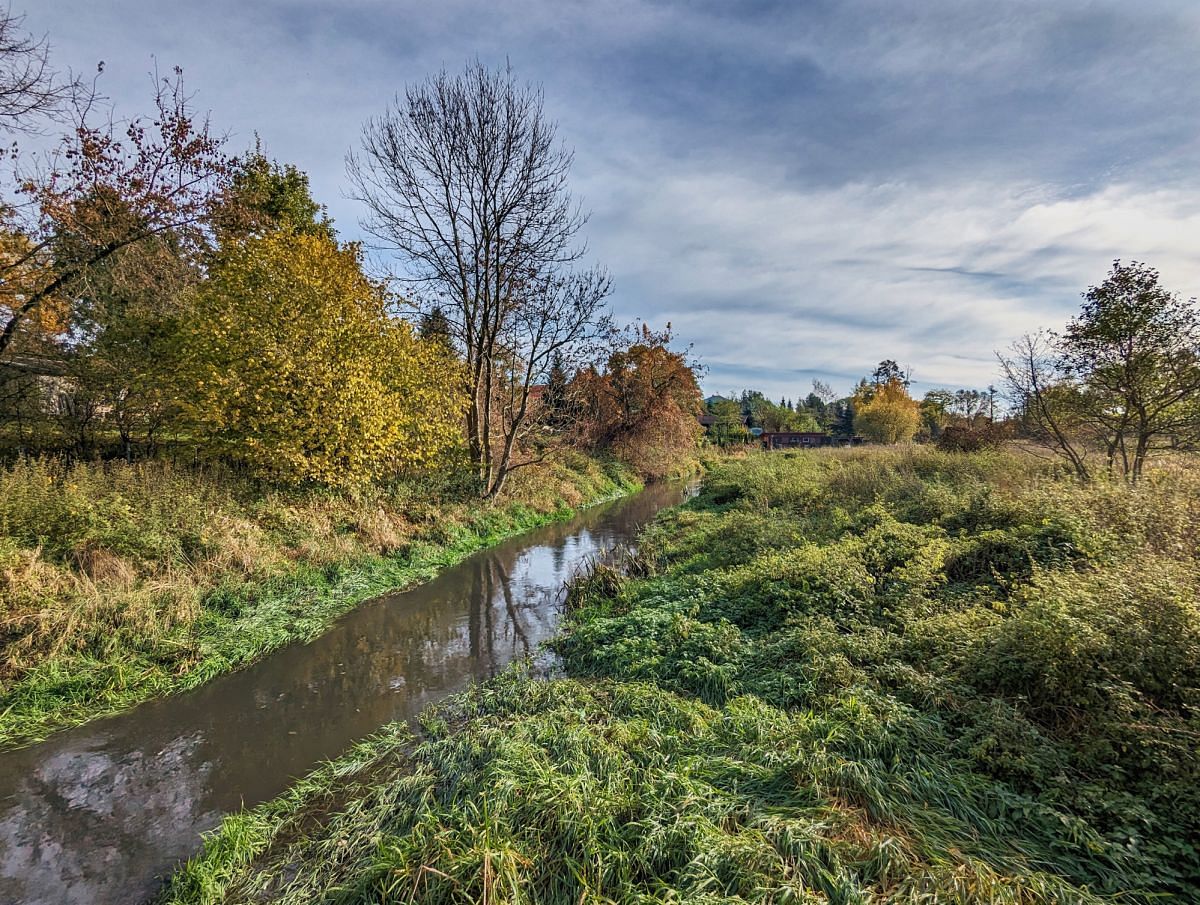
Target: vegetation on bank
[
  {"x": 125, "y": 582},
  {"x": 161, "y": 299},
  {"x": 838, "y": 676}
]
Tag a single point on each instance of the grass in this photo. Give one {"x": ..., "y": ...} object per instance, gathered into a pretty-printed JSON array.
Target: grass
[
  {"x": 856, "y": 676},
  {"x": 122, "y": 583}
]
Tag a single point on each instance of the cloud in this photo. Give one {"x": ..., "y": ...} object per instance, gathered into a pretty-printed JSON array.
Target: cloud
[{"x": 801, "y": 188}]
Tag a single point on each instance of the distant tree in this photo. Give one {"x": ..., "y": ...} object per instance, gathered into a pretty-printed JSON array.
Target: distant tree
[
  {"x": 887, "y": 414},
  {"x": 729, "y": 426},
  {"x": 936, "y": 412},
  {"x": 559, "y": 407},
  {"x": 263, "y": 196},
  {"x": 888, "y": 372},
  {"x": 434, "y": 327},
  {"x": 840, "y": 417},
  {"x": 823, "y": 391},
  {"x": 753, "y": 401},
  {"x": 969, "y": 404}
]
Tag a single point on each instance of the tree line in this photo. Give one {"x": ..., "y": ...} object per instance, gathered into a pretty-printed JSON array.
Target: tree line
[
  {"x": 880, "y": 409},
  {"x": 1119, "y": 384},
  {"x": 157, "y": 291}
]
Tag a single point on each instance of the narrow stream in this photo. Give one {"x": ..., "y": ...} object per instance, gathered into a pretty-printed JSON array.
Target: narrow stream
[{"x": 99, "y": 814}]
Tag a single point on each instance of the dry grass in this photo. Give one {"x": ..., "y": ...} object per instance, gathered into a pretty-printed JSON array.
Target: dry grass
[{"x": 103, "y": 562}]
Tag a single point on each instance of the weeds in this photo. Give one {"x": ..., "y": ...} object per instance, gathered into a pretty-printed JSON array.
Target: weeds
[{"x": 840, "y": 677}]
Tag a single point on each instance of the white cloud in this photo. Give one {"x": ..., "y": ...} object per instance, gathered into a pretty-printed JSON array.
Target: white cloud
[{"x": 834, "y": 280}]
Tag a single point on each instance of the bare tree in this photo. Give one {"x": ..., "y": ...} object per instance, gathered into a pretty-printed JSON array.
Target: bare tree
[
  {"x": 465, "y": 178},
  {"x": 553, "y": 321},
  {"x": 29, "y": 86},
  {"x": 823, "y": 391},
  {"x": 1036, "y": 386}
]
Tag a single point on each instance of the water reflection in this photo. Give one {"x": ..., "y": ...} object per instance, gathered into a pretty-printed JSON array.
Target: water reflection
[{"x": 97, "y": 814}]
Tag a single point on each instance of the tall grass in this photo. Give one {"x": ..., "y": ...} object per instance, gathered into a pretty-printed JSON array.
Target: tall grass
[
  {"x": 838, "y": 677},
  {"x": 122, "y": 582}
]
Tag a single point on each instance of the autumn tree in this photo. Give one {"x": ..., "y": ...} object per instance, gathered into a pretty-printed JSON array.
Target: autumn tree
[
  {"x": 465, "y": 178},
  {"x": 291, "y": 363},
  {"x": 106, "y": 188},
  {"x": 884, "y": 412},
  {"x": 642, "y": 402}
]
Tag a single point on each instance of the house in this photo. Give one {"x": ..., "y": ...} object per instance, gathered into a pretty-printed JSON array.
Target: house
[{"x": 804, "y": 440}]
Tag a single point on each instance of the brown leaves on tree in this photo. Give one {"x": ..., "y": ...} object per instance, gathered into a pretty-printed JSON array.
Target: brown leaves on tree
[{"x": 107, "y": 187}]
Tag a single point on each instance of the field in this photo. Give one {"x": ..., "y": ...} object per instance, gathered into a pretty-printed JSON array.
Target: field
[
  {"x": 120, "y": 583},
  {"x": 860, "y": 676}
]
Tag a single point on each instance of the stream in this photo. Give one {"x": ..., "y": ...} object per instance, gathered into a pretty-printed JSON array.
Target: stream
[{"x": 99, "y": 814}]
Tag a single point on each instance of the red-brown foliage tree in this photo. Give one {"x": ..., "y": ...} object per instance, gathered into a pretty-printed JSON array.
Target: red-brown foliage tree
[{"x": 641, "y": 403}]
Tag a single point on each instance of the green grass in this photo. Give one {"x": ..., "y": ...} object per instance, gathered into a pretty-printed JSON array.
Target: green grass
[
  {"x": 845, "y": 677},
  {"x": 203, "y": 573}
]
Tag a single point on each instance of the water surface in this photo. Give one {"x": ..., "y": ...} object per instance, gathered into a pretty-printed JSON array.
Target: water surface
[{"x": 99, "y": 814}]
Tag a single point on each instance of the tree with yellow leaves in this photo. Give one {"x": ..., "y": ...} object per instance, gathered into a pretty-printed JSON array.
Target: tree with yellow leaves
[
  {"x": 884, "y": 412},
  {"x": 291, "y": 363}
]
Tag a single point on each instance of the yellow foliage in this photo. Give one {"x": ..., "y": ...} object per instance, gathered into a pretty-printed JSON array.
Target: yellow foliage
[
  {"x": 292, "y": 364},
  {"x": 885, "y": 413}
]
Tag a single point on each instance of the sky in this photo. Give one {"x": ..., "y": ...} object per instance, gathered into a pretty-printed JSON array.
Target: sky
[{"x": 800, "y": 188}]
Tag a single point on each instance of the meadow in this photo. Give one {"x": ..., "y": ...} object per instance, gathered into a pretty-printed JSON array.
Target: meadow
[
  {"x": 856, "y": 676},
  {"x": 123, "y": 582}
]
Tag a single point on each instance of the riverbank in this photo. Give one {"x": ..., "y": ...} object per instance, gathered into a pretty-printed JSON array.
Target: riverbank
[
  {"x": 840, "y": 676},
  {"x": 122, "y": 583}
]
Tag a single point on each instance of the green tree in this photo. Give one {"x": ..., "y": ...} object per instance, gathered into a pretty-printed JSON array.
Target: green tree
[
  {"x": 1134, "y": 355},
  {"x": 264, "y": 196},
  {"x": 936, "y": 413},
  {"x": 887, "y": 372},
  {"x": 557, "y": 398},
  {"x": 729, "y": 426},
  {"x": 434, "y": 327},
  {"x": 125, "y": 315}
]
